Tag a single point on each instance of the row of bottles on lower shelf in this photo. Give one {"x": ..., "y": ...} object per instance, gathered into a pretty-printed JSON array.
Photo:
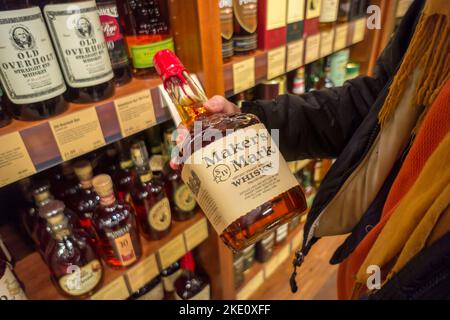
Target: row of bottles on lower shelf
[{"x": 76, "y": 219}]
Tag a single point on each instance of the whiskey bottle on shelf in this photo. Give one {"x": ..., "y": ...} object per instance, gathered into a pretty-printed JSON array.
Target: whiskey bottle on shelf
[
  {"x": 84, "y": 202},
  {"x": 240, "y": 213},
  {"x": 191, "y": 285},
  {"x": 10, "y": 287},
  {"x": 281, "y": 233},
  {"x": 249, "y": 256},
  {"x": 41, "y": 196},
  {"x": 344, "y": 10},
  {"x": 245, "y": 22},
  {"x": 182, "y": 200},
  {"x": 64, "y": 184},
  {"x": 113, "y": 32},
  {"x": 74, "y": 265},
  {"x": 125, "y": 175},
  {"x": 31, "y": 77},
  {"x": 109, "y": 161},
  {"x": 298, "y": 86},
  {"x": 149, "y": 198},
  {"x": 115, "y": 225},
  {"x": 169, "y": 275},
  {"x": 77, "y": 35},
  {"x": 147, "y": 31},
  {"x": 151, "y": 291},
  {"x": 226, "y": 27}
]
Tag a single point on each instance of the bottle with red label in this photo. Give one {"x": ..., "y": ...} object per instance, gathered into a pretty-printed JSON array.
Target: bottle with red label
[
  {"x": 113, "y": 32},
  {"x": 191, "y": 285}
]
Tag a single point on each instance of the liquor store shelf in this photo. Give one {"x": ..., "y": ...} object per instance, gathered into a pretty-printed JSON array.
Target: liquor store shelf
[
  {"x": 344, "y": 35},
  {"x": 80, "y": 129},
  {"x": 255, "y": 275},
  {"x": 119, "y": 284}
]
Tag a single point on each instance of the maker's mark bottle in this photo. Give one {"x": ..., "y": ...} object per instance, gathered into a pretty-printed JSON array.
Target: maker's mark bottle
[{"x": 240, "y": 179}]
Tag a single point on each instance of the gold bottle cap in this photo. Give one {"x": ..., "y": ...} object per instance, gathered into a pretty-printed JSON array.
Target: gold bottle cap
[
  {"x": 103, "y": 185},
  {"x": 83, "y": 170}
]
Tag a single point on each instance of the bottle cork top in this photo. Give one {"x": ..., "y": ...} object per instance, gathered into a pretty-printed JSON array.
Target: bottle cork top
[
  {"x": 52, "y": 208},
  {"x": 103, "y": 185},
  {"x": 83, "y": 169},
  {"x": 139, "y": 154},
  {"x": 56, "y": 219},
  {"x": 41, "y": 192}
]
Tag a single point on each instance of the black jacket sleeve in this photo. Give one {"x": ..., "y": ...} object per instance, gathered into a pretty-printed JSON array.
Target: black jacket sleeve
[{"x": 320, "y": 123}]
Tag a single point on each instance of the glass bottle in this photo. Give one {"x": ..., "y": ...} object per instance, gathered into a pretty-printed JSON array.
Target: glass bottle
[
  {"x": 344, "y": 10},
  {"x": 298, "y": 86},
  {"x": 5, "y": 117},
  {"x": 113, "y": 32},
  {"x": 41, "y": 196},
  {"x": 84, "y": 202},
  {"x": 115, "y": 225},
  {"x": 328, "y": 81},
  {"x": 77, "y": 35},
  {"x": 281, "y": 233},
  {"x": 74, "y": 265},
  {"x": 190, "y": 285},
  {"x": 149, "y": 198},
  {"x": 125, "y": 176},
  {"x": 249, "y": 256},
  {"x": 10, "y": 287},
  {"x": 226, "y": 28},
  {"x": 182, "y": 200},
  {"x": 169, "y": 275},
  {"x": 146, "y": 32},
  {"x": 31, "y": 76},
  {"x": 153, "y": 290},
  {"x": 245, "y": 21},
  {"x": 239, "y": 221}
]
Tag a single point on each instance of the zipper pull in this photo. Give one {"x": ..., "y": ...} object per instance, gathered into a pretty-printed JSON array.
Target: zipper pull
[{"x": 297, "y": 262}]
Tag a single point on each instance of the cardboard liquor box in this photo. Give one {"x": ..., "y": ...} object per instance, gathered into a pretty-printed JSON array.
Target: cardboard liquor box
[
  {"x": 312, "y": 13},
  {"x": 271, "y": 23},
  {"x": 295, "y": 18}
]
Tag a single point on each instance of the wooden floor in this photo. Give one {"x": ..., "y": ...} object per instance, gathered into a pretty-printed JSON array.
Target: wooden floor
[{"x": 316, "y": 278}]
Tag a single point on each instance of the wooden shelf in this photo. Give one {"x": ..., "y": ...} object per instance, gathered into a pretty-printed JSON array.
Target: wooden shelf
[
  {"x": 261, "y": 56},
  {"x": 33, "y": 272},
  {"x": 40, "y": 142}
]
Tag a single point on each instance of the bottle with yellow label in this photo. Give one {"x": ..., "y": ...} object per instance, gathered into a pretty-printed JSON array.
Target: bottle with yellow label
[
  {"x": 75, "y": 268},
  {"x": 149, "y": 198},
  {"x": 115, "y": 225}
]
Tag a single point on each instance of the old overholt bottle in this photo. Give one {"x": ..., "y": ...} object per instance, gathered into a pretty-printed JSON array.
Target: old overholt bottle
[
  {"x": 29, "y": 70},
  {"x": 245, "y": 22},
  {"x": 240, "y": 179},
  {"x": 77, "y": 35}
]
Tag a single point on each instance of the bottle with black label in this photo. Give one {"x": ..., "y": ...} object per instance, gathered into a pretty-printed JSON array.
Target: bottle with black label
[
  {"x": 226, "y": 27},
  {"x": 29, "y": 70},
  {"x": 77, "y": 35},
  {"x": 245, "y": 22},
  {"x": 112, "y": 30}
]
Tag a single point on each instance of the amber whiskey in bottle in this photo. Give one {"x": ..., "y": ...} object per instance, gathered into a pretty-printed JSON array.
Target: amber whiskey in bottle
[
  {"x": 226, "y": 28},
  {"x": 113, "y": 32},
  {"x": 81, "y": 48},
  {"x": 191, "y": 285},
  {"x": 125, "y": 175},
  {"x": 115, "y": 225},
  {"x": 245, "y": 22},
  {"x": 147, "y": 31},
  {"x": 149, "y": 198},
  {"x": 75, "y": 268},
  {"x": 182, "y": 200},
  {"x": 31, "y": 77},
  {"x": 224, "y": 161}
]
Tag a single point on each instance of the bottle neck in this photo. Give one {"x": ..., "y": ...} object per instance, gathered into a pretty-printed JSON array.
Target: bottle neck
[
  {"x": 126, "y": 164},
  {"x": 86, "y": 184},
  {"x": 108, "y": 199},
  {"x": 145, "y": 175}
]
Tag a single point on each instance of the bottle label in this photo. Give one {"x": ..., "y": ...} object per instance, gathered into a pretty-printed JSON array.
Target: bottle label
[
  {"x": 142, "y": 55},
  {"x": 159, "y": 217},
  {"x": 109, "y": 18},
  {"x": 123, "y": 245},
  {"x": 236, "y": 174},
  {"x": 168, "y": 281},
  {"x": 29, "y": 68},
  {"x": 245, "y": 43},
  {"x": 204, "y": 294},
  {"x": 78, "y": 38},
  {"x": 157, "y": 293},
  {"x": 226, "y": 18},
  {"x": 245, "y": 12},
  {"x": 10, "y": 288},
  {"x": 329, "y": 11},
  {"x": 81, "y": 280},
  {"x": 184, "y": 199}
]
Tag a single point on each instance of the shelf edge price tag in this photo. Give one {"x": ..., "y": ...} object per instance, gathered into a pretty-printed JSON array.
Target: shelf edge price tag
[
  {"x": 135, "y": 112},
  {"x": 196, "y": 234},
  {"x": 116, "y": 290},
  {"x": 275, "y": 262},
  {"x": 171, "y": 251},
  {"x": 251, "y": 286},
  {"x": 326, "y": 42},
  {"x": 77, "y": 133},
  {"x": 276, "y": 61},
  {"x": 340, "y": 39},
  {"x": 312, "y": 48},
  {"x": 359, "y": 30},
  {"x": 15, "y": 162},
  {"x": 294, "y": 55},
  {"x": 142, "y": 273},
  {"x": 243, "y": 75}
]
